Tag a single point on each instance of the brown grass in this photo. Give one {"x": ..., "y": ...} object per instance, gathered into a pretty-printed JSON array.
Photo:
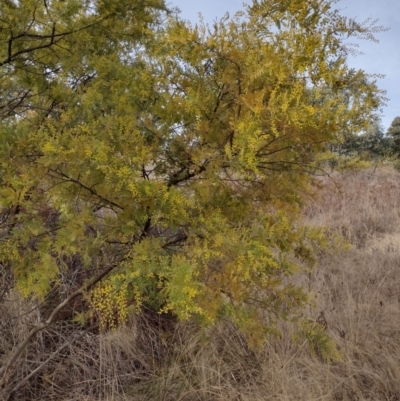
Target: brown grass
[{"x": 154, "y": 358}]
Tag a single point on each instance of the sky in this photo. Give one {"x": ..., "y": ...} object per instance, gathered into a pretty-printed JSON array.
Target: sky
[{"x": 378, "y": 58}]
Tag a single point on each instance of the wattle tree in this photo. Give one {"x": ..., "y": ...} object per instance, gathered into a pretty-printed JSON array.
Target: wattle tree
[{"x": 145, "y": 161}]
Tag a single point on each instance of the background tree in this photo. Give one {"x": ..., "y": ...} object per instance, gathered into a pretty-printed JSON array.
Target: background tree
[
  {"x": 370, "y": 144},
  {"x": 148, "y": 162},
  {"x": 394, "y": 131}
]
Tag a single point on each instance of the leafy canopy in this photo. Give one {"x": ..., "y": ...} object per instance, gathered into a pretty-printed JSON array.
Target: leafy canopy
[
  {"x": 173, "y": 157},
  {"x": 394, "y": 129}
]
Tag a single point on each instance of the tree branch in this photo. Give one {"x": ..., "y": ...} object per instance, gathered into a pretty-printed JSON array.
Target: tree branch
[
  {"x": 43, "y": 325},
  {"x": 11, "y": 57},
  {"x": 67, "y": 178},
  {"x": 23, "y": 382}
]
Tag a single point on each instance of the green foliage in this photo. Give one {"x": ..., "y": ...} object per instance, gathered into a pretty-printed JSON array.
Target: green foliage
[
  {"x": 319, "y": 343},
  {"x": 394, "y": 129},
  {"x": 371, "y": 144},
  {"x": 394, "y": 132},
  {"x": 178, "y": 154}
]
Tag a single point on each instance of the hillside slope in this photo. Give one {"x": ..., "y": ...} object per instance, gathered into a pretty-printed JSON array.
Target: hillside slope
[{"x": 357, "y": 298}]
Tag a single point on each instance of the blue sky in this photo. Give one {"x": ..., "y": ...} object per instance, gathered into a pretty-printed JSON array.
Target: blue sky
[{"x": 379, "y": 58}]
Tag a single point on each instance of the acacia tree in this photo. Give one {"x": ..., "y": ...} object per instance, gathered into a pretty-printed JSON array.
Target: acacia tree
[{"x": 148, "y": 162}]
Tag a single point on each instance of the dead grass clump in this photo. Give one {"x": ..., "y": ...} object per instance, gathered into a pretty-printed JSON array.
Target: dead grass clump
[
  {"x": 72, "y": 363},
  {"x": 359, "y": 204}
]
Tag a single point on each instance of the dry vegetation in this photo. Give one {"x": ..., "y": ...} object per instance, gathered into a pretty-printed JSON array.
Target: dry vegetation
[{"x": 154, "y": 358}]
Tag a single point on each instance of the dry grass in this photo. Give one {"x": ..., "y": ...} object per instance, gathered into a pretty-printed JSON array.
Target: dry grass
[{"x": 154, "y": 358}]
